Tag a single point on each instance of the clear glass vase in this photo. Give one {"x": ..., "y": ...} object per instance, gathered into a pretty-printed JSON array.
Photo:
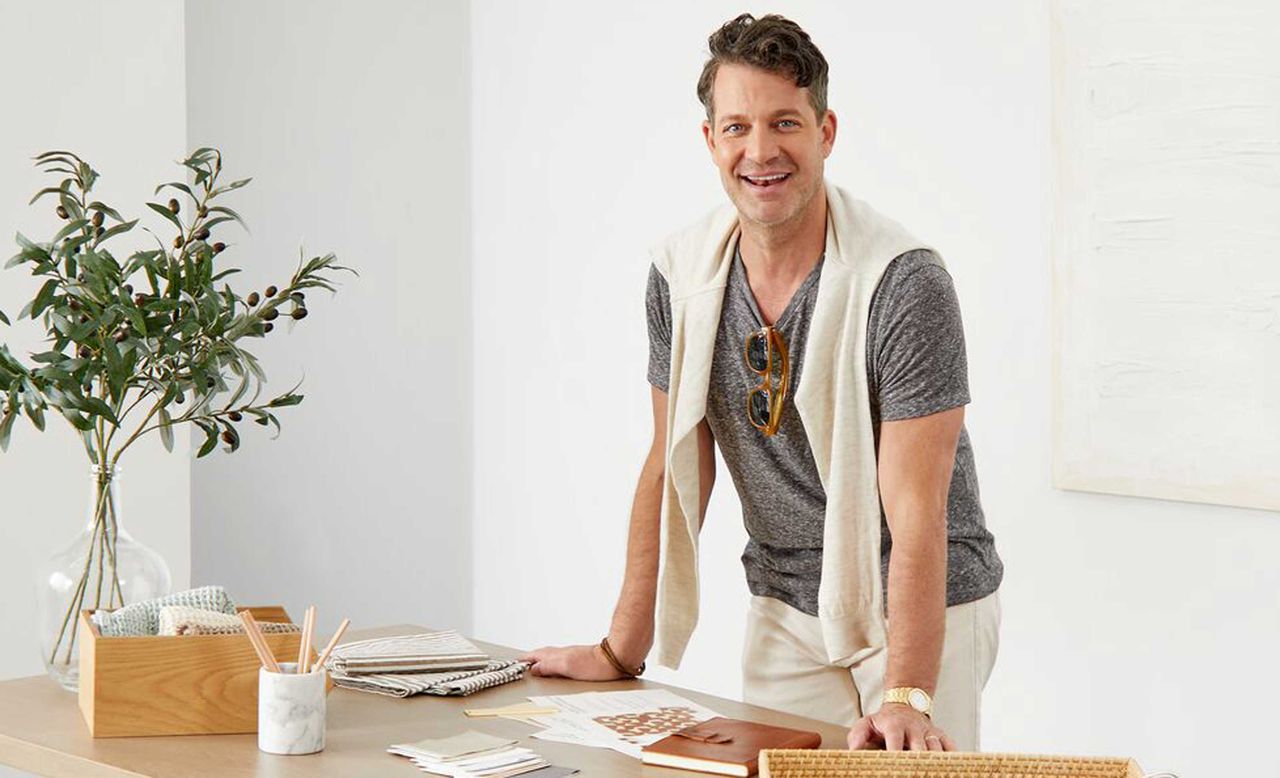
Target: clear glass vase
[{"x": 102, "y": 568}]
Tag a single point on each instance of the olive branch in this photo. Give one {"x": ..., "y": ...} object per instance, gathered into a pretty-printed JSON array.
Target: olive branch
[{"x": 123, "y": 362}]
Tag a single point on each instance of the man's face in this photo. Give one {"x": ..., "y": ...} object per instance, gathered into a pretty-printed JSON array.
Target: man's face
[{"x": 767, "y": 143}]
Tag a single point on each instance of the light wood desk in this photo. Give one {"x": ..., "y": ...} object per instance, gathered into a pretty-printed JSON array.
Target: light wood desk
[{"x": 41, "y": 731}]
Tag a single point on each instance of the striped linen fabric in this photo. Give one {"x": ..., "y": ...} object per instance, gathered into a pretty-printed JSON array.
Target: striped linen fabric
[
  {"x": 443, "y": 663},
  {"x": 452, "y": 684},
  {"x": 429, "y": 652}
]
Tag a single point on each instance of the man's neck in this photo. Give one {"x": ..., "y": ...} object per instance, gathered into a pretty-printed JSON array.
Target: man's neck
[{"x": 785, "y": 254}]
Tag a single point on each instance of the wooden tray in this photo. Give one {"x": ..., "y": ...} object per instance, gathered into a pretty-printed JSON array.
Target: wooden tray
[{"x": 175, "y": 685}]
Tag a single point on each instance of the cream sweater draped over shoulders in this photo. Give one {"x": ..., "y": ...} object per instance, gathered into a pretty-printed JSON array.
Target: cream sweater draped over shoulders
[{"x": 833, "y": 402}]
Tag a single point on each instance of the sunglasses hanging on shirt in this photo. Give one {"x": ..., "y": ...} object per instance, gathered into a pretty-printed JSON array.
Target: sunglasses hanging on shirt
[{"x": 765, "y": 350}]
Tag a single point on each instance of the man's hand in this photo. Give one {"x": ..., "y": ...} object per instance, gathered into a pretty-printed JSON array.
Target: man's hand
[
  {"x": 898, "y": 727},
  {"x": 582, "y": 663}
]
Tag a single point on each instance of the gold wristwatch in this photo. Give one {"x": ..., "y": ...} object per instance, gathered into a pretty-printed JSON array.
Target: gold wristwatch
[{"x": 917, "y": 699}]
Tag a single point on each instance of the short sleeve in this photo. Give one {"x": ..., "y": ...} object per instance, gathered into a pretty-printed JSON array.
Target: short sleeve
[
  {"x": 657, "y": 305},
  {"x": 916, "y": 359}
]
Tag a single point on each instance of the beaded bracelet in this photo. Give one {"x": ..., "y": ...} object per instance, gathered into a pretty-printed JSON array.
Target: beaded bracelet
[{"x": 613, "y": 660}]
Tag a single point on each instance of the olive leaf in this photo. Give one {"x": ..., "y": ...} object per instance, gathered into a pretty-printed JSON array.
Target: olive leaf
[{"x": 154, "y": 340}]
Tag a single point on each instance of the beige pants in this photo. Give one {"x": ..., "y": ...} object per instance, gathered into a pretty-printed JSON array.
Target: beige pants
[{"x": 785, "y": 667}]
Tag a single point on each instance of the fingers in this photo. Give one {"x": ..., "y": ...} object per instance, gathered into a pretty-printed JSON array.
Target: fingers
[
  {"x": 548, "y": 668},
  {"x": 893, "y": 737},
  {"x": 534, "y": 658},
  {"x": 915, "y": 740},
  {"x": 543, "y": 662},
  {"x": 910, "y": 736},
  {"x": 580, "y": 662},
  {"x": 896, "y": 731},
  {"x": 861, "y": 735}
]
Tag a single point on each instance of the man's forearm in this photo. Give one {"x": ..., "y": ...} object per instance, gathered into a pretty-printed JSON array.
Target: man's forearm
[
  {"x": 631, "y": 632},
  {"x": 917, "y": 604}
]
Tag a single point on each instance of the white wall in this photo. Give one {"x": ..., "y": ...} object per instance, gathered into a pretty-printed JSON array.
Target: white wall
[
  {"x": 105, "y": 82},
  {"x": 353, "y": 120},
  {"x": 1128, "y": 623}
]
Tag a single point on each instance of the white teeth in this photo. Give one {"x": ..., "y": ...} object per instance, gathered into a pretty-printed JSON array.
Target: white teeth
[{"x": 757, "y": 180}]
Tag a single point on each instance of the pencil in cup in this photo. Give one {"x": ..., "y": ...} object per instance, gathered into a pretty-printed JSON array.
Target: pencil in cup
[
  {"x": 304, "y": 645},
  {"x": 333, "y": 643},
  {"x": 258, "y": 641}
]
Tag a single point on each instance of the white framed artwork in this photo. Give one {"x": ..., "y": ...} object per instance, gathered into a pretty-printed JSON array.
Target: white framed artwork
[{"x": 1166, "y": 249}]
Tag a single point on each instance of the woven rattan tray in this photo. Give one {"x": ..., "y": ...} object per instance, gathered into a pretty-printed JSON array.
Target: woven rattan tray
[{"x": 776, "y": 763}]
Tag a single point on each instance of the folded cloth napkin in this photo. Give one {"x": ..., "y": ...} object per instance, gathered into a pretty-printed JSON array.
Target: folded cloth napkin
[
  {"x": 143, "y": 618},
  {"x": 429, "y": 652},
  {"x": 185, "y": 620},
  {"x": 453, "y": 684}
]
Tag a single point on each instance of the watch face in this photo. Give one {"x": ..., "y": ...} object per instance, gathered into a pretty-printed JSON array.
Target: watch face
[{"x": 918, "y": 700}]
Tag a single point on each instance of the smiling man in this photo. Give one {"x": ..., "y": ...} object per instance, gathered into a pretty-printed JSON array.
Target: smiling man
[{"x": 819, "y": 346}]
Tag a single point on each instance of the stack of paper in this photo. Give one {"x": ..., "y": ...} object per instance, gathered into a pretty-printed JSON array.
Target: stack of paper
[
  {"x": 470, "y": 755},
  {"x": 623, "y": 721}
]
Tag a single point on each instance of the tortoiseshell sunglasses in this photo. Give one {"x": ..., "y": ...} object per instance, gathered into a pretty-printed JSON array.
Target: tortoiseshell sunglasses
[{"x": 764, "y": 403}]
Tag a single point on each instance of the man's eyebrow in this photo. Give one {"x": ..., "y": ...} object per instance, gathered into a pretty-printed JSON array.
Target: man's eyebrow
[{"x": 737, "y": 117}]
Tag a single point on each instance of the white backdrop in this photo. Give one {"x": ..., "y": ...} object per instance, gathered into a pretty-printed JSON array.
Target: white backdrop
[
  {"x": 107, "y": 83},
  {"x": 352, "y": 118},
  {"x": 1124, "y": 619},
  {"x": 1127, "y": 621}
]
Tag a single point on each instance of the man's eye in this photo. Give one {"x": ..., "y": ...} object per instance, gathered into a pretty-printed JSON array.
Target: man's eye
[
  {"x": 789, "y": 121},
  {"x": 733, "y": 128}
]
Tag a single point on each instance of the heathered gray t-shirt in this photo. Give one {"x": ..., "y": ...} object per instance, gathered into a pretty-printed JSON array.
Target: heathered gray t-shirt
[{"x": 916, "y": 366}]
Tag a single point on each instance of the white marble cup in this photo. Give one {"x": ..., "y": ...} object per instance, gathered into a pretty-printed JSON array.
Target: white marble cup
[{"x": 291, "y": 710}]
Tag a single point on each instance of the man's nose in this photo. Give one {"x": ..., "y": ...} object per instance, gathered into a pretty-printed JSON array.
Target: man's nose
[{"x": 762, "y": 147}]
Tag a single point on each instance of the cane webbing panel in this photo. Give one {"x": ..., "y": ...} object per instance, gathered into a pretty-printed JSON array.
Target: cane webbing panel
[{"x": 786, "y": 763}]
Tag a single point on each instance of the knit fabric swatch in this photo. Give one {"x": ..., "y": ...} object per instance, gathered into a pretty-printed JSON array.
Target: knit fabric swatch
[
  {"x": 143, "y": 618},
  {"x": 185, "y": 620}
]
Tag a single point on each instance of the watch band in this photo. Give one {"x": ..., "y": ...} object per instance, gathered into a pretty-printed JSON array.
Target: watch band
[{"x": 911, "y": 696}]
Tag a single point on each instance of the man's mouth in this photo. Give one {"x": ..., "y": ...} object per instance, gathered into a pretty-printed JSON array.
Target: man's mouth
[{"x": 764, "y": 182}]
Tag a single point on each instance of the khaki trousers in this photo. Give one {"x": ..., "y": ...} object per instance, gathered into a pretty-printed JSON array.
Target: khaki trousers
[{"x": 785, "y": 667}]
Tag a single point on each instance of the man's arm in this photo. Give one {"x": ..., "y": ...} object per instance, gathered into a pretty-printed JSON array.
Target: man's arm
[
  {"x": 916, "y": 460},
  {"x": 631, "y": 632}
]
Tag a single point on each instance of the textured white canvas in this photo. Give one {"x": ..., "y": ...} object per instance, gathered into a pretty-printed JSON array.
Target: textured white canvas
[{"x": 1166, "y": 253}]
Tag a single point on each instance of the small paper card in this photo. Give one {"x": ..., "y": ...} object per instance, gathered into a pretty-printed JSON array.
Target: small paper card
[{"x": 465, "y": 744}]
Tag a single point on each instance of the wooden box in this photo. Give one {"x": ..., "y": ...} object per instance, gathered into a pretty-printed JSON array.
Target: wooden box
[{"x": 175, "y": 685}]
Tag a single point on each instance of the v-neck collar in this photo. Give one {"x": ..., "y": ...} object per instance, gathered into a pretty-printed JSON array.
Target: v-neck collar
[{"x": 744, "y": 288}]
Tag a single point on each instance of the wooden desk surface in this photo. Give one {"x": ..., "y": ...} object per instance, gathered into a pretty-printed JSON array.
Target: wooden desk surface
[{"x": 41, "y": 731}]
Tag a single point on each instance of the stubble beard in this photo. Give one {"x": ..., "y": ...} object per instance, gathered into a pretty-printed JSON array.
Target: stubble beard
[{"x": 781, "y": 225}]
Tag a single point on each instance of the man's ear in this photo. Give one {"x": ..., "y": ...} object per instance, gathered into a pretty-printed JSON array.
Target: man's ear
[
  {"x": 709, "y": 136},
  {"x": 829, "y": 125}
]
